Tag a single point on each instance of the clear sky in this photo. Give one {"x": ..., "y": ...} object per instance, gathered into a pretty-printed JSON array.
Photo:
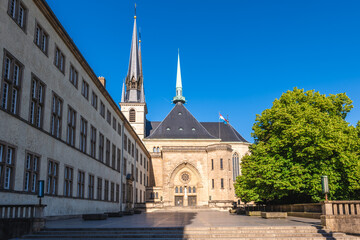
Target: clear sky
[{"x": 236, "y": 56}]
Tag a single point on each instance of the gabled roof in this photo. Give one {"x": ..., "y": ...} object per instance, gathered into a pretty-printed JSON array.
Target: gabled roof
[
  {"x": 224, "y": 131},
  {"x": 180, "y": 124}
]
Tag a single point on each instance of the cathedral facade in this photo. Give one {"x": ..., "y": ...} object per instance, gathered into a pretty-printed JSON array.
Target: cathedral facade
[{"x": 192, "y": 163}]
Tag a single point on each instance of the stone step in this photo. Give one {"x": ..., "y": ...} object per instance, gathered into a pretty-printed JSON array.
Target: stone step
[
  {"x": 202, "y": 238},
  {"x": 219, "y": 233}
]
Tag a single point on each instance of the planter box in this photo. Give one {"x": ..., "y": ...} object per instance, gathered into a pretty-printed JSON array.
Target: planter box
[
  {"x": 96, "y": 216},
  {"x": 253, "y": 213},
  {"x": 268, "y": 215}
]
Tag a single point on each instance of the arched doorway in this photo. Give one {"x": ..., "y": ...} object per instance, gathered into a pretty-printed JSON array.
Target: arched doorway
[{"x": 185, "y": 182}]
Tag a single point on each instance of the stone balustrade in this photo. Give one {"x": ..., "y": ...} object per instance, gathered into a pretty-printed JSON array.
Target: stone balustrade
[
  {"x": 21, "y": 211},
  {"x": 342, "y": 216}
]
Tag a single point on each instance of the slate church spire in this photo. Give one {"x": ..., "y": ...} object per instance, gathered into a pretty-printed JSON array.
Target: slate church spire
[
  {"x": 134, "y": 79},
  {"x": 178, "y": 97}
]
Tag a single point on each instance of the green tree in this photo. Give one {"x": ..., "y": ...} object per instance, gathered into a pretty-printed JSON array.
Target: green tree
[{"x": 303, "y": 136}]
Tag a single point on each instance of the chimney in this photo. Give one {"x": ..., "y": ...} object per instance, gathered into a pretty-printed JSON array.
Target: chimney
[{"x": 102, "y": 80}]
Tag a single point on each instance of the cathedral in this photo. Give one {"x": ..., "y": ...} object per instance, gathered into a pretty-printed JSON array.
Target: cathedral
[{"x": 192, "y": 163}]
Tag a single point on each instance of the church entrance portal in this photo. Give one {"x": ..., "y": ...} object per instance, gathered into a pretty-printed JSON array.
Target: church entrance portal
[
  {"x": 191, "y": 200},
  {"x": 179, "y": 201}
]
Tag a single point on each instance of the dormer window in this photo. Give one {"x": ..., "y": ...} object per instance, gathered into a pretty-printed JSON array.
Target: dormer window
[
  {"x": 180, "y": 129},
  {"x": 179, "y": 113},
  {"x": 168, "y": 129},
  {"x": 193, "y": 129}
]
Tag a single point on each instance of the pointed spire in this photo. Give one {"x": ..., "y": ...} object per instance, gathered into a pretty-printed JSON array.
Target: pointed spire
[
  {"x": 134, "y": 79},
  {"x": 178, "y": 97},
  {"x": 142, "y": 94},
  {"x": 139, "y": 52},
  {"x": 123, "y": 92}
]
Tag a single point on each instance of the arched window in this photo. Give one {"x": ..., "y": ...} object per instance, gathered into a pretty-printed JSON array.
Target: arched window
[
  {"x": 189, "y": 189},
  {"x": 176, "y": 190},
  {"x": 180, "y": 189},
  {"x": 157, "y": 195},
  {"x": 132, "y": 117},
  {"x": 154, "y": 149},
  {"x": 194, "y": 190},
  {"x": 158, "y": 149},
  {"x": 236, "y": 166}
]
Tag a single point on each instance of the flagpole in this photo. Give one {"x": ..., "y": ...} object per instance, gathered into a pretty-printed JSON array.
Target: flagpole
[{"x": 219, "y": 125}]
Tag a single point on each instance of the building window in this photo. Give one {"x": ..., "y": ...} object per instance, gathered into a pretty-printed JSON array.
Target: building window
[
  {"x": 194, "y": 190},
  {"x": 102, "y": 109},
  {"x": 212, "y": 183},
  {"x": 11, "y": 83},
  {"x": 212, "y": 164},
  {"x": 94, "y": 100},
  {"x": 107, "y": 152},
  {"x": 137, "y": 175},
  {"x": 118, "y": 160},
  {"x": 68, "y": 181},
  {"x": 99, "y": 189},
  {"x": 114, "y": 123},
  {"x": 124, "y": 168},
  {"x": 221, "y": 164},
  {"x": 125, "y": 142},
  {"x": 56, "y": 115},
  {"x": 222, "y": 183},
  {"x": 41, "y": 38},
  {"x": 7, "y": 167},
  {"x": 119, "y": 129},
  {"x": 181, "y": 190},
  {"x": 73, "y": 76},
  {"x": 132, "y": 115},
  {"x": 189, "y": 190},
  {"x": 140, "y": 159},
  {"x": 236, "y": 166},
  {"x": 113, "y": 156},
  {"x": 52, "y": 177},
  {"x": 144, "y": 179},
  {"x": 85, "y": 89},
  {"x": 101, "y": 147},
  {"x": 108, "y": 117},
  {"x": 31, "y": 172},
  {"x": 123, "y": 190},
  {"x": 176, "y": 190},
  {"x": 83, "y": 134},
  {"x": 59, "y": 60},
  {"x": 132, "y": 150},
  {"x": 70, "y": 137},
  {"x": 18, "y": 13},
  {"x": 91, "y": 187},
  {"x": 93, "y": 141},
  {"x": 37, "y": 102},
  {"x": 117, "y": 192},
  {"x": 106, "y": 191},
  {"x": 81, "y": 184},
  {"x": 112, "y": 192}
]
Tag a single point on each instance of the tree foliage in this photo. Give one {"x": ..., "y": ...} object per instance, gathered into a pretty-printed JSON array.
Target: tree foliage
[{"x": 303, "y": 136}]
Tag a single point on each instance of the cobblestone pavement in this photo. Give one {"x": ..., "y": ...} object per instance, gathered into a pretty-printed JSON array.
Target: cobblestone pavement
[{"x": 182, "y": 219}]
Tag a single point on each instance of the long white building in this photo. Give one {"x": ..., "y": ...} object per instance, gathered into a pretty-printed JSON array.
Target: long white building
[{"x": 59, "y": 124}]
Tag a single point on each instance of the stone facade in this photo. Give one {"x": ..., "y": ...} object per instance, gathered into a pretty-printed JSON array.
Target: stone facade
[
  {"x": 32, "y": 147},
  {"x": 200, "y": 160}
]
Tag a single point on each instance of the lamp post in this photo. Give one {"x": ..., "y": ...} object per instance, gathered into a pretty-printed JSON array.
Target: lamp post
[{"x": 325, "y": 186}]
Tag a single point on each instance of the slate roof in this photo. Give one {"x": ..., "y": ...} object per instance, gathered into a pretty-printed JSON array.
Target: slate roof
[
  {"x": 169, "y": 128},
  {"x": 227, "y": 132},
  {"x": 180, "y": 123}
]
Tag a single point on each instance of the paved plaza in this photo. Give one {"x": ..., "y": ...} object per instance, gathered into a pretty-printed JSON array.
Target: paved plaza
[{"x": 194, "y": 219}]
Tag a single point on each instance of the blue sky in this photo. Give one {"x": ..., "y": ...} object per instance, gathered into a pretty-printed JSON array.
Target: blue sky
[{"x": 236, "y": 56}]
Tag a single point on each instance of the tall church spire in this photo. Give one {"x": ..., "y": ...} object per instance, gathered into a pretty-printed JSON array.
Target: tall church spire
[
  {"x": 134, "y": 76},
  {"x": 178, "y": 97}
]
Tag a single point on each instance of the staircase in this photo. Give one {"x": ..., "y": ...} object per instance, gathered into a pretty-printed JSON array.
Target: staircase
[{"x": 201, "y": 233}]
